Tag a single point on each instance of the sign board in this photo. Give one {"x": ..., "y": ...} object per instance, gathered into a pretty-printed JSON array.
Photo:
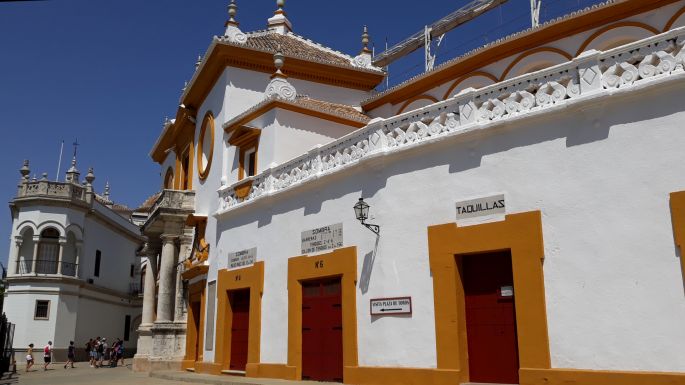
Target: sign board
[
  {"x": 389, "y": 306},
  {"x": 242, "y": 258},
  {"x": 323, "y": 238},
  {"x": 481, "y": 207}
]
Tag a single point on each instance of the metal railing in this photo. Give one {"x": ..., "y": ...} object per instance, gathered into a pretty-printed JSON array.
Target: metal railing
[{"x": 25, "y": 266}]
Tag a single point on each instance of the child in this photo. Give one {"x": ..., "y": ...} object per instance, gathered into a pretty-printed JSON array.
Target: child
[
  {"x": 29, "y": 358},
  {"x": 71, "y": 355}
]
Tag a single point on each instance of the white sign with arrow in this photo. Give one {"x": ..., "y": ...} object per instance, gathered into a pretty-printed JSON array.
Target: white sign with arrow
[{"x": 390, "y": 306}]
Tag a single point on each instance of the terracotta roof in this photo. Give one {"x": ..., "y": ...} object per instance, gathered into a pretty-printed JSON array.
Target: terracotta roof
[
  {"x": 148, "y": 203},
  {"x": 517, "y": 35},
  {"x": 293, "y": 45},
  {"x": 334, "y": 111}
]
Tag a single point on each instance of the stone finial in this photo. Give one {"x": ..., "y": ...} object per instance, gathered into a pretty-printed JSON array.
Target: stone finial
[
  {"x": 365, "y": 41},
  {"x": 106, "y": 194},
  {"x": 90, "y": 177},
  {"x": 233, "y": 33},
  {"x": 198, "y": 62},
  {"x": 279, "y": 85},
  {"x": 279, "y": 23},
  {"x": 25, "y": 170},
  {"x": 364, "y": 59},
  {"x": 232, "y": 11},
  {"x": 72, "y": 173},
  {"x": 44, "y": 176}
]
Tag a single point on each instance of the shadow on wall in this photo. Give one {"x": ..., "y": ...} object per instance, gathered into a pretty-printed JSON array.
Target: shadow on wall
[
  {"x": 367, "y": 267},
  {"x": 579, "y": 126}
]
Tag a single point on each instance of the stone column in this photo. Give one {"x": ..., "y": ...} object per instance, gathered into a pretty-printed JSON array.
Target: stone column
[
  {"x": 167, "y": 279},
  {"x": 60, "y": 255},
  {"x": 78, "y": 257},
  {"x": 17, "y": 249},
  {"x": 149, "y": 290},
  {"x": 185, "y": 251},
  {"x": 36, "y": 241}
]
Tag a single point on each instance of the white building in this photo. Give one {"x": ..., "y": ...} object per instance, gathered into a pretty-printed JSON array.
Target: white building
[
  {"x": 529, "y": 196},
  {"x": 73, "y": 271}
]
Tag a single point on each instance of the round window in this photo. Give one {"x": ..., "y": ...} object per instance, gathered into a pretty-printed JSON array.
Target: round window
[{"x": 206, "y": 146}]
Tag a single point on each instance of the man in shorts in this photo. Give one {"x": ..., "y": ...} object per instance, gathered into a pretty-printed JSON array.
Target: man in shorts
[{"x": 47, "y": 355}]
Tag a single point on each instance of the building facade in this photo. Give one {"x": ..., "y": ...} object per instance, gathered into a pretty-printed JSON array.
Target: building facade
[
  {"x": 73, "y": 272},
  {"x": 525, "y": 205}
]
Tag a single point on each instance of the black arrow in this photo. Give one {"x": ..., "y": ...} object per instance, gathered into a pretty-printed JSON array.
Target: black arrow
[{"x": 391, "y": 309}]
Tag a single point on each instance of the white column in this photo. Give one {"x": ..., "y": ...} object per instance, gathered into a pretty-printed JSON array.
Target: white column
[
  {"x": 60, "y": 255},
  {"x": 17, "y": 249},
  {"x": 149, "y": 290},
  {"x": 78, "y": 256},
  {"x": 167, "y": 279},
  {"x": 184, "y": 252},
  {"x": 36, "y": 241}
]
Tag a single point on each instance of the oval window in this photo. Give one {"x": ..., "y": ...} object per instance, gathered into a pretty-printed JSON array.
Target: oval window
[{"x": 206, "y": 146}]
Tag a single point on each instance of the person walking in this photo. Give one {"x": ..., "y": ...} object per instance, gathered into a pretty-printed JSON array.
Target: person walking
[
  {"x": 71, "y": 355},
  {"x": 29, "y": 358},
  {"x": 120, "y": 351},
  {"x": 102, "y": 349},
  {"x": 89, "y": 351},
  {"x": 47, "y": 355}
]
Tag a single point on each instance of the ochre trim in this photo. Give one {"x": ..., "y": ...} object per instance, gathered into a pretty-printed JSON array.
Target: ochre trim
[
  {"x": 522, "y": 235},
  {"x": 223, "y": 56},
  {"x": 243, "y": 190},
  {"x": 275, "y": 103},
  {"x": 281, "y": 371},
  {"x": 196, "y": 292},
  {"x": 400, "y": 376},
  {"x": 207, "y": 123},
  {"x": 597, "y": 377},
  {"x": 195, "y": 271},
  {"x": 466, "y": 77},
  {"x": 620, "y": 9},
  {"x": 673, "y": 18},
  {"x": 414, "y": 99},
  {"x": 180, "y": 133},
  {"x": 678, "y": 220},
  {"x": 342, "y": 263},
  {"x": 246, "y": 278},
  {"x": 608, "y": 28},
  {"x": 524, "y": 55}
]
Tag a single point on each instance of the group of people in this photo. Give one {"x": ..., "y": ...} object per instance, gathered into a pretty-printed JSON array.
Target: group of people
[{"x": 98, "y": 351}]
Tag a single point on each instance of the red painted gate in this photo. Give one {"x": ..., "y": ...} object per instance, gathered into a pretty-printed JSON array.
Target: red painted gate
[
  {"x": 240, "y": 327},
  {"x": 322, "y": 351},
  {"x": 490, "y": 318}
]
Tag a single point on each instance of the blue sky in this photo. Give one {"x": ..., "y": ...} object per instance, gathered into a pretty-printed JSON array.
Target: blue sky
[{"x": 108, "y": 72}]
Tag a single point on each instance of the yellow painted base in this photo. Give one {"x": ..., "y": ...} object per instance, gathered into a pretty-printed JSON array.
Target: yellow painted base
[
  {"x": 400, "y": 376},
  {"x": 597, "y": 377},
  {"x": 280, "y": 371},
  {"x": 207, "y": 368},
  {"x": 187, "y": 364}
]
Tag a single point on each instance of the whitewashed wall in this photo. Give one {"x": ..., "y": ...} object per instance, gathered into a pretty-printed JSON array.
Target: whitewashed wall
[{"x": 600, "y": 174}]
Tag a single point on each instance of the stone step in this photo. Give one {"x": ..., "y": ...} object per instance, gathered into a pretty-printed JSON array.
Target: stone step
[
  {"x": 483, "y": 383},
  {"x": 234, "y": 372}
]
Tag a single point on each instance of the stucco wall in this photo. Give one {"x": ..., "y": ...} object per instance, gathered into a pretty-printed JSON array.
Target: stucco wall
[{"x": 600, "y": 175}]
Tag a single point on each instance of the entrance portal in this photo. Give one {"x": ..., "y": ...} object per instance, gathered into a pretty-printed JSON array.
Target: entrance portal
[
  {"x": 195, "y": 309},
  {"x": 490, "y": 318},
  {"x": 240, "y": 327},
  {"x": 322, "y": 331}
]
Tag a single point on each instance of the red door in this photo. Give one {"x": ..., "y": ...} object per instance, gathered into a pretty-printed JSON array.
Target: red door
[
  {"x": 322, "y": 351},
  {"x": 240, "y": 327},
  {"x": 195, "y": 308},
  {"x": 490, "y": 318}
]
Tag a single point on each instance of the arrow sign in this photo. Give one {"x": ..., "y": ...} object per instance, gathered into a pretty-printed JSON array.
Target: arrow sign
[{"x": 390, "y": 306}]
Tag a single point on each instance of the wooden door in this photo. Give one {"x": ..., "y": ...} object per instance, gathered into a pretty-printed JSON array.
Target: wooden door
[
  {"x": 490, "y": 318},
  {"x": 322, "y": 350},
  {"x": 240, "y": 328}
]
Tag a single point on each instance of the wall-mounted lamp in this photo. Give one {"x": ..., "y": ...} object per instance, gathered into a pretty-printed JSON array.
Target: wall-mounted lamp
[{"x": 361, "y": 211}]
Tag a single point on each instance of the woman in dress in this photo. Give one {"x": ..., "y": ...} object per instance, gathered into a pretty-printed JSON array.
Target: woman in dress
[{"x": 29, "y": 358}]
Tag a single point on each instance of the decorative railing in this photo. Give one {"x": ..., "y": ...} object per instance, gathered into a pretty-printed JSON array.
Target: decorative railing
[
  {"x": 48, "y": 189},
  {"x": 174, "y": 200},
  {"x": 590, "y": 73},
  {"x": 25, "y": 266}
]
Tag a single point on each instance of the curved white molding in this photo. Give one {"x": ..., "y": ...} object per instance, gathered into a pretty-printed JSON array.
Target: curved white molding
[
  {"x": 617, "y": 37},
  {"x": 593, "y": 74},
  {"x": 235, "y": 35},
  {"x": 535, "y": 62},
  {"x": 280, "y": 87}
]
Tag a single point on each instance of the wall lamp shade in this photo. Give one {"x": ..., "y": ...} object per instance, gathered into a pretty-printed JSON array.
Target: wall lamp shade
[{"x": 361, "y": 212}]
